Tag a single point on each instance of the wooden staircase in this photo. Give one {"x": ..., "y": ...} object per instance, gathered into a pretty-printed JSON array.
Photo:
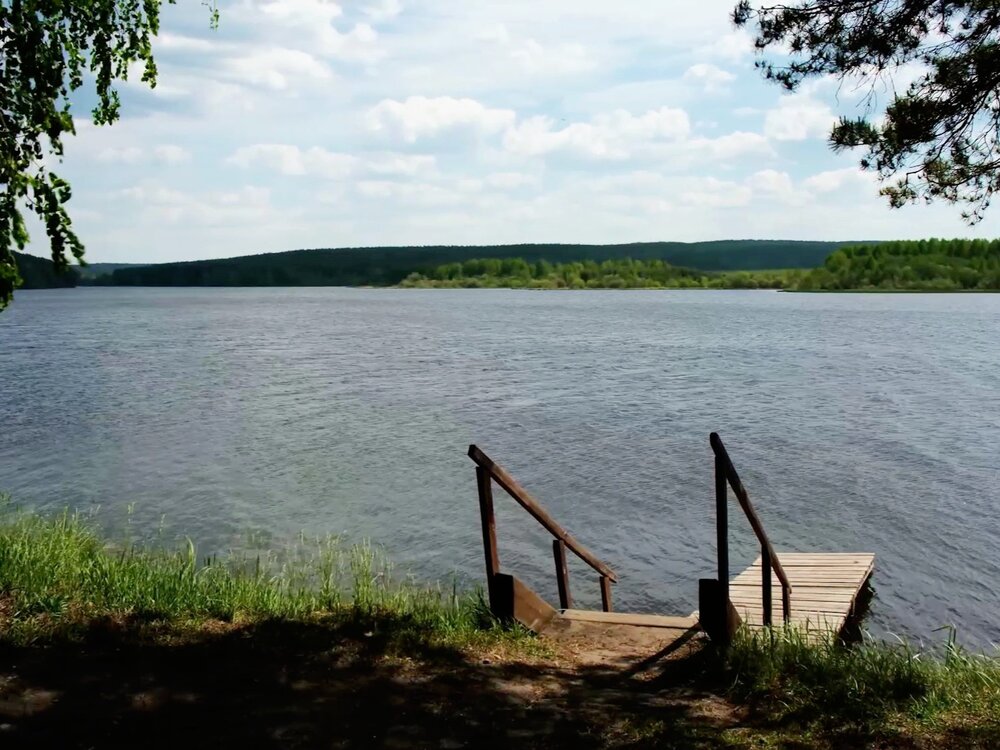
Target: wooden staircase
[{"x": 829, "y": 586}]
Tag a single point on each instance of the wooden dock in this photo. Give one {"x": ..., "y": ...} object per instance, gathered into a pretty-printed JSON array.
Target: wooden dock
[{"x": 825, "y": 589}]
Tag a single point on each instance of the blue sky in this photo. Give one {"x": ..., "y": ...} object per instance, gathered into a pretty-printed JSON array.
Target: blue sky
[{"x": 303, "y": 123}]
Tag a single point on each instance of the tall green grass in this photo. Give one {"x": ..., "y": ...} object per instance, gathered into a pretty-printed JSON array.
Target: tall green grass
[
  {"x": 864, "y": 685},
  {"x": 58, "y": 572}
]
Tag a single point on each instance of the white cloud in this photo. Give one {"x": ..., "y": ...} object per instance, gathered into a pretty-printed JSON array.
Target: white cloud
[
  {"x": 291, "y": 160},
  {"x": 401, "y": 164},
  {"x": 510, "y": 180},
  {"x": 777, "y": 187},
  {"x": 615, "y": 135},
  {"x": 310, "y": 24},
  {"x": 124, "y": 155},
  {"x": 167, "y": 205},
  {"x": 383, "y": 10},
  {"x": 560, "y": 59},
  {"x": 771, "y": 181},
  {"x": 277, "y": 68},
  {"x": 182, "y": 43},
  {"x": 172, "y": 154},
  {"x": 732, "y": 46},
  {"x": 410, "y": 193},
  {"x": 532, "y": 56},
  {"x": 294, "y": 161},
  {"x": 732, "y": 145},
  {"x": 421, "y": 116},
  {"x": 832, "y": 180},
  {"x": 798, "y": 117},
  {"x": 710, "y": 77},
  {"x": 714, "y": 193}
]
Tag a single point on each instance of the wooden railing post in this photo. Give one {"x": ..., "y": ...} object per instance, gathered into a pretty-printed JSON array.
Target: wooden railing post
[
  {"x": 606, "y": 593},
  {"x": 502, "y": 586},
  {"x": 485, "y": 485},
  {"x": 725, "y": 473},
  {"x": 534, "y": 508},
  {"x": 765, "y": 594},
  {"x": 562, "y": 573},
  {"x": 722, "y": 531}
]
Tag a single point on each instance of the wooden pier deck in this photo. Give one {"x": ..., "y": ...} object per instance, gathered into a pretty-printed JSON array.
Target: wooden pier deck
[{"x": 825, "y": 587}]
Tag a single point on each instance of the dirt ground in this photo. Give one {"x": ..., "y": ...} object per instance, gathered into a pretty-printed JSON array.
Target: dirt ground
[{"x": 288, "y": 685}]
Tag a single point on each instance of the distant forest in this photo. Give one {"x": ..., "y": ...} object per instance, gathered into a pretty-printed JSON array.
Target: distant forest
[
  {"x": 388, "y": 266},
  {"x": 923, "y": 265},
  {"x": 40, "y": 273},
  {"x": 626, "y": 273},
  {"x": 928, "y": 265}
]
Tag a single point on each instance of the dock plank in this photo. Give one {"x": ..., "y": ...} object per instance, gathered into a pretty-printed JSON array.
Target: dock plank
[
  {"x": 825, "y": 588},
  {"x": 626, "y": 618}
]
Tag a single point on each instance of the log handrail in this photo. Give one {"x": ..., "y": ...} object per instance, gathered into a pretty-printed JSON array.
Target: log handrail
[
  {"x": 534, "y": 508},
  {"x": 725, "y": 473}
]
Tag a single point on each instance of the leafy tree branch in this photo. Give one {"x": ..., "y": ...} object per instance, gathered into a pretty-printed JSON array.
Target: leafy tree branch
[{"x": 938, "y": 139}]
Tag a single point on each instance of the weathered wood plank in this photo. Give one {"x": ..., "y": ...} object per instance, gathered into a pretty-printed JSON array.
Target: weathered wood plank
[
  {"x": 624, "y": 618},
  {"x": 740, "y": 594}
]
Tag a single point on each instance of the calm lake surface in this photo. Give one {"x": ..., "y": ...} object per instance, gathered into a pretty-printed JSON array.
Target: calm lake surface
[{"x": 858, "y": 422}]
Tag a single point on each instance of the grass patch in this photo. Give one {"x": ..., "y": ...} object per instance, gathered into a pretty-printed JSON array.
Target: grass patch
[
  {"x": 872, "y": 689},
  {"x": 58, "y": 575}
]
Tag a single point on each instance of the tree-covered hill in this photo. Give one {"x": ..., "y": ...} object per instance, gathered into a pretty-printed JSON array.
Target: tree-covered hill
[
  {"x": 384, "y": 266},
  {"x": 930, "y": 265},
  {"x": 40, "y": 273}
]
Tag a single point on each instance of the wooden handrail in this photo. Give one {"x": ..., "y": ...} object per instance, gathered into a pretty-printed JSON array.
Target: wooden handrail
[
  {"x": 769, "y": 559},
  {"x": 526, "y": 501}
]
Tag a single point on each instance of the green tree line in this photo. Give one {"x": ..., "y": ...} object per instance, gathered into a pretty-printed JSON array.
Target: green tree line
[
  {"x": 928, "y": 265},
  {"x": 625, "y": 273},
  {"x": 920, "y": 265}
]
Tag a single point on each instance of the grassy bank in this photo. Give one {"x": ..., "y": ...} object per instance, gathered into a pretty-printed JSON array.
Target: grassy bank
[
  {"x": 140, "y": 641},
  {"x": 58, "y": 575},
  {"x": 890, "y": 692}
]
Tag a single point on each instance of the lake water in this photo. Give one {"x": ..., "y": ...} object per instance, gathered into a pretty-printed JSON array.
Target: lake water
[{"x": 858, "y": 422}]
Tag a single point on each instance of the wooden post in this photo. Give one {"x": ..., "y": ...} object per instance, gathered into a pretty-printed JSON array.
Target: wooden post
[
  {"x": 606, "y": 593},
  {"x": 562, "y": 573},
  {"x": 765, "y": 593},
  {"x": 786, "y": 603},
  {"x": 722, "y": 531},
  {"x": 722, "y": 624},
  {"x": 489, "y": 535}
]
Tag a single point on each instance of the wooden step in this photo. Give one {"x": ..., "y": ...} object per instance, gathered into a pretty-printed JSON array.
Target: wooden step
[{"x": 625, "y": 618}]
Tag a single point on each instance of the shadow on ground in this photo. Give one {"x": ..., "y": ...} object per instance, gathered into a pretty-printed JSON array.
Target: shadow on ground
[
  {"x": 299, "y": 685},
  {"x": 294, "y": 685}
]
